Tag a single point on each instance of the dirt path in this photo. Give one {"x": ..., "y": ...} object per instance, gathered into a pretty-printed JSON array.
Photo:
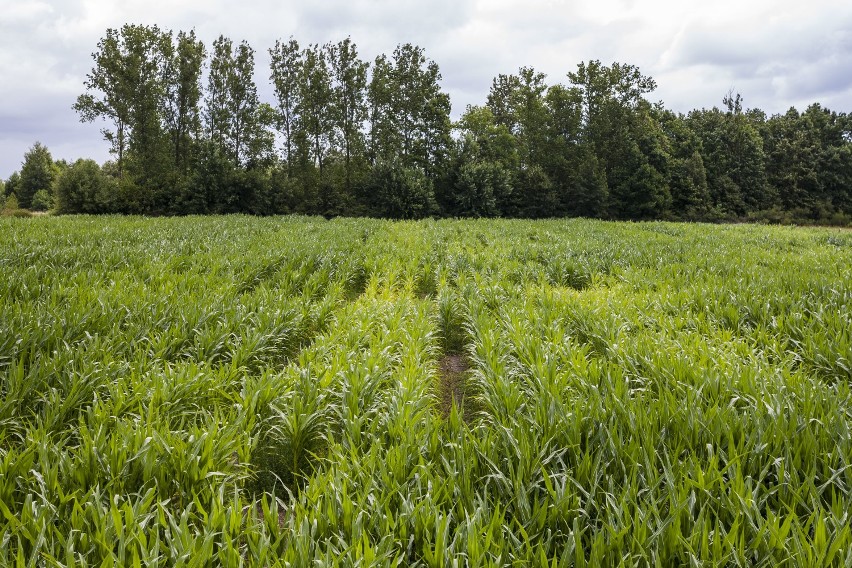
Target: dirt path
[{"x": 451, "y": 388}]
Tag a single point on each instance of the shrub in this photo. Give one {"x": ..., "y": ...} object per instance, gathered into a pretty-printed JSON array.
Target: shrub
[
  {"x": 481, "y": 189},
  {"x": 84, "y": 188},
  {"x": 11, "y": 203},
  {"x": 399, "y": 192},
  {"x": 12, "y": 209}
]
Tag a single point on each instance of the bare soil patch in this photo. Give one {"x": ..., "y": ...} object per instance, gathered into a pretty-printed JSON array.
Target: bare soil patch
[{"x": 452, "y": 371}]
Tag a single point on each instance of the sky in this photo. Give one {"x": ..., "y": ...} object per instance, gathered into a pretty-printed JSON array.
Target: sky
[{"x": 776, "y": 53}]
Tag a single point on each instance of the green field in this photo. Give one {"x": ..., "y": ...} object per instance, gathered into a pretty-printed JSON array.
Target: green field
[{"x": 300, "y": 392}]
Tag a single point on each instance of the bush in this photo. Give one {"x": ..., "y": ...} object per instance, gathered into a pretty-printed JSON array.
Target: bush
[
  {"x": 398, "y": 192},
  {"x": 773, "y": 216},
  {"x": 11, "y": 203},
  {"x": 84, "y": 188},
  {"x": 481, "y": 189},
  {"x": 12, "y": 209}
]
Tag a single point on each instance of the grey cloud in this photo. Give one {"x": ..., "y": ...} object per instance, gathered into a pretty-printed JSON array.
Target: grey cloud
[
  {"x": 409, "y": 20},
  {"x": 775, "y": 62}
]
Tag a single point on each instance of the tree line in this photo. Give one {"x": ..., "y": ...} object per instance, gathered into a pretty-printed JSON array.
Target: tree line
[{"x": 345, "y": 136}]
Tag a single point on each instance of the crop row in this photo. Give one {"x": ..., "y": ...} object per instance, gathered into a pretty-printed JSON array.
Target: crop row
[{"x": 238, "y": 391}]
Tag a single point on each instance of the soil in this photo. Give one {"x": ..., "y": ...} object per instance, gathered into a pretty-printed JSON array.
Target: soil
[{"x": 451, "y": 386}]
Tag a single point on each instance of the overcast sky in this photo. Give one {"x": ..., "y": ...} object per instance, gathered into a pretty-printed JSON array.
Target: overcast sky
[{"x": 777, "y": 53}]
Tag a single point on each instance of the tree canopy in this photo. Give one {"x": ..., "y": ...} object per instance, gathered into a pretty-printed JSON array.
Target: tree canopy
[{"x": 346, "y": 136}]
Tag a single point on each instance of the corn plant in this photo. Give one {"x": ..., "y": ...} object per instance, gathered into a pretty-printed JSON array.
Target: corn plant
[{"x": 239, "y": 391}]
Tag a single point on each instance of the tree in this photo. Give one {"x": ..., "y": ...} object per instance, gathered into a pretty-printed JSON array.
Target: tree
[
  {"x": 183, "y": 91},
  {"x": 587, "y": 192},
  {"x": 501, "y": 101},
  {"x": 733, "y": 156},
  {"x": 627, "y": 141},
  {"x": 398, "y": 192},
  {"x": 126, "y": 87},
  {"x": 42, "y": 201},
  {"x": 409, "y": 114},
  {"x": 109, "y": 78},
  {"x": 483, "y": 164},
  {"x": 216, "y": 115},
  {"x": 13, "y": 184},
  {"x": 149, "y": 160},
  {"x": 571, "y": 161},
  {"x": 37, "y": 173},
  {"x": 285, "y": 72},
  {"x": 832, "y": 134},
  {"x": 314, "y": 106},
  {"x": 235, "y": 121},
  {"x": 519, "y": 102},
  {"x": 531, "y": 114},
  {"x": 243, "y": 106},
  {"x": 349, "y": 89},
  {"x": 808, "y": 161},
  {"x": 494, "y": 141},
  {"x": 11, "y": 203},
  {"x": 687, "y": 177},
  {"x": 480, "y": 186}
]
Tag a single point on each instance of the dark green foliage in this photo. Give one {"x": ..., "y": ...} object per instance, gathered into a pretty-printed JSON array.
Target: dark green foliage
[
  {"x": 42, "y": 201},
  {"x": 534, "y": 195},
  {"x": 586, "y": 193},
  {"x": 809, "y": 161},
  {"x": 481, "y": 189},
  {"x": 85, "y": 188},
  {"x": 687, "y": 177},
  {"x": 733, "y": 156},
  {"x": 480, "y": 178},
  {"x": 12, "y": 184},
  {"x": 37, "y": 174},
  {"x": 399, "y": 192},
  {"x": 360, "y": 139}
]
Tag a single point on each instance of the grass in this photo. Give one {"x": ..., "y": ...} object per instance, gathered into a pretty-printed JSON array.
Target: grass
[{"x": 299, "y": 392}]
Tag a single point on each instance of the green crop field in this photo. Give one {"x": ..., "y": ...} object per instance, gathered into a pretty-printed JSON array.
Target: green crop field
[{"x": 299, "y": 392}]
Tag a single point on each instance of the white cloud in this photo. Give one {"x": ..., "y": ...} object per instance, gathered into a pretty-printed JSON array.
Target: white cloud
[{"x": 776, "y": 53}]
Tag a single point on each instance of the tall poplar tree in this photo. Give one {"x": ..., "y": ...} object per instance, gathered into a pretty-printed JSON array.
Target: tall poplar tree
[
  {"x": 285, "y": 67},
  {"x": 233, "y": 115},
  {"x": 314, "y": 105},
  {"x": 349, "y": 90},
  {"x": 126, "y": 87},
  {"x": 216, "y": 111},
  {"x": 409, "y": 113},
  {"x": 182, "y": 112}
]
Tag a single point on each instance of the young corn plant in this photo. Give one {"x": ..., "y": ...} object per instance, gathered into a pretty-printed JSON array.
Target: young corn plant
[{"x": 270, "y": 392}]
